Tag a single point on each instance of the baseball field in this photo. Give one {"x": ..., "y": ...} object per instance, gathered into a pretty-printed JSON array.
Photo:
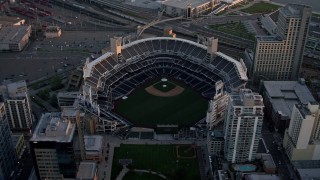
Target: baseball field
[
  {"x": 163, "y": 159},
  {"x": 159, "y": 102}
]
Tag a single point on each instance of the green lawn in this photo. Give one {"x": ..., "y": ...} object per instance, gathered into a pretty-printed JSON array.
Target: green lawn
[
  {"x": 261, "y": 7},
  {"x": 164, "y": 86},
  {"x": 236, "y": 29},
  {"x": 186, "y": 151},
  {"x": 144, "y": 109},
  {"x": 158, "y": 158}
]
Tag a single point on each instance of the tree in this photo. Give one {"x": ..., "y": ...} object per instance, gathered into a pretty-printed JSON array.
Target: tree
[
  {"x": 56, "y": 83},
  {"x": 54, "y": 101}
]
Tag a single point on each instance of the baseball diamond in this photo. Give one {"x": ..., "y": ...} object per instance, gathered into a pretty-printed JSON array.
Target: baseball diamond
[{"x": 127, "y": 70}]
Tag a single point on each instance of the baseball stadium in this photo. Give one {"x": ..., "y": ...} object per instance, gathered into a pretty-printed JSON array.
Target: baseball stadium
[{"x": 156, "y": 81}]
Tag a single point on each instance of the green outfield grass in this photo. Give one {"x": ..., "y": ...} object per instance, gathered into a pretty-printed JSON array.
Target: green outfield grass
[
  {"x": 261, "y": 7},
  {"x": 131, "y": 175},
  {"x": 144, "y": 109},
  {"x": 158, "y": 158},
  {"x": 186, "y": 151},
  {"x": 168, "y": 86}
]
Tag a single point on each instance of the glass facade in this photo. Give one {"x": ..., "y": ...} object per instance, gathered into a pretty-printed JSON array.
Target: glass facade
[
  {"x": 7, "y": 152},
  {"x": 48, "y": 156}
]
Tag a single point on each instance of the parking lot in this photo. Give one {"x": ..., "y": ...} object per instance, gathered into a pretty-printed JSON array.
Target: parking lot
[{"x": 48, "y": 56}]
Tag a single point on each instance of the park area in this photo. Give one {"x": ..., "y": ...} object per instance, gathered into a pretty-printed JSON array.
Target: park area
[
  {"x": 261, "y": 7},
  {"x": 170, "y": 107},
  {"x": 236, "y": 29},
  {"x": 162, "y": 159}
]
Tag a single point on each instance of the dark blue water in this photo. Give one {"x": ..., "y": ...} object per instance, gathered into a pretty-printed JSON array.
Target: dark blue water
[{"x": 315, "y": 4}]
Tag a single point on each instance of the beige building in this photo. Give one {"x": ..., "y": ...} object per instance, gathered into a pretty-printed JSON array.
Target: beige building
[
  {"x": 187, "y": 8},
  {"x": 94, "y": 146},
  {"x": 75, "y": 79},
  {"x": 52, "y": 32},
  {"x": 87, "y": 171},
  {"x": 14, "y": 38},
  {"x": 66, "y": 99},
  {"x": 301, "y": 139},
  {"x": 279, "y": 56}
]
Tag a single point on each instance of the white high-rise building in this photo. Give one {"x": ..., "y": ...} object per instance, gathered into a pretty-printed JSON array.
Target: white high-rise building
[
  {"x": 242, "y": 127},
  {"x": 17, "y": 103},
  {"x": 301, "y": 139},
  {"x": 217, "y": 106}
]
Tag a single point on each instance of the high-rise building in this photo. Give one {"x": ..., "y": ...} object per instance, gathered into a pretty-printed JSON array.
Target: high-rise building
[
  {"x": 279, "y": 56},
  {"x": 302, "y": 138},
  {"x": 242, "y": 127},
  {"x": 217, "y": 106},
  {"x": 7, "y": 152},
  {"x": 17, "y": 103},
  {"x": 52, "y": 147}
]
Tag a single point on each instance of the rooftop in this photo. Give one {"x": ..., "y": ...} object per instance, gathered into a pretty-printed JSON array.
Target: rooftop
[
  {"x": 294, "y": 10},
  {"x": 7, "y": 20},
  {"x": 268, "y": 161},
  {"x": 13, "y": 34},
  {"x": 87, "y": 170},
  {"x": 303, "y": 109},
  {"x": 68, "y": 94},
  {"x": 307, "y": 164},
  {"x": 183, "y": 4},
  {"x": 285, "y": 94},
  {"x": 17, "y": 89},
  {"x": 309, "y": 174},
  {"x": 53, "y": 29},
  {"x": 69, "y": 112},
  {"x": 247, "y": 98},
  {"x": 216, "y": 134},
  {"x": 93, "y": 143},
  {"x": 51, "y": 127},
  {"x": 262, "y": 177}
]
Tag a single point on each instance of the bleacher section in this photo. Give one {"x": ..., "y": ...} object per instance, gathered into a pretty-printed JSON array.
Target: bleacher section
[{"x": 160, "y": 57}]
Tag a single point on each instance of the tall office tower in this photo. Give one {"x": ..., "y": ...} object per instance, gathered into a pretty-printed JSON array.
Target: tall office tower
[
  {"x": 7, "y": 152},
  {"x": 17, "y": 103},
  {"x": 52, "y": 147},
  {"x": 217, "y": 106},
  {"x": 242, "y": 127},
  {"x": 301, "y": 140},
  {"x": 279, "y": 56}
]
